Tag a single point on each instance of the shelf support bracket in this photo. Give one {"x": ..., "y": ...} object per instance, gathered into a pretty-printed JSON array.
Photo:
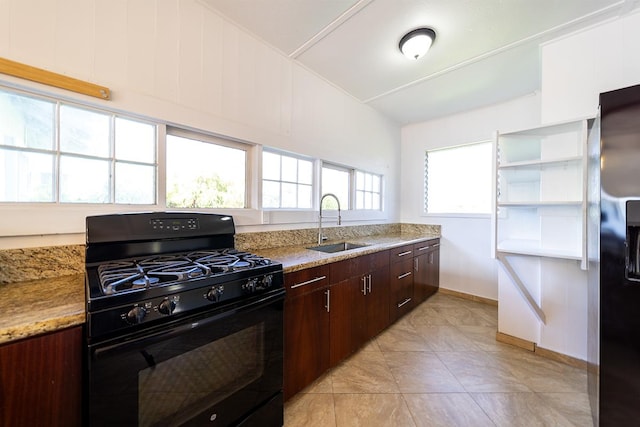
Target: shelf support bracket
[{"x": 533, "y": 305}]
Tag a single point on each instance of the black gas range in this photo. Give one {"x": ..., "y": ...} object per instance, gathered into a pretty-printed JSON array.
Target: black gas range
[
  {"x": 161, "y": 280},
  {"x": 149, "y": 268}
]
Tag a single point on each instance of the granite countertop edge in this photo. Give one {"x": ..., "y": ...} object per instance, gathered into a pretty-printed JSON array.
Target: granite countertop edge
[
  {"x": 295, "y": 258},
  {"x": 36, "y": 307}
]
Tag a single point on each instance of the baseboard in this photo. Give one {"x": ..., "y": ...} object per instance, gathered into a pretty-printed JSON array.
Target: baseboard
[
  {"x": 562, "y": 358},
  {"x": 515, "y": 341},
  {"x": 541, "y": 351},
  {"x": 468, "y": 296}
]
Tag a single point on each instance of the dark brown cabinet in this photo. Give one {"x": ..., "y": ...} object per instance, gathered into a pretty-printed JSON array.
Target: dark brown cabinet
[
  {"x": 41, "y": 380},
  {"x": 360, "y": 302},
  {"x": 306, "y": 327},
  {"x": 332, "y": 310},
  {"x": 401, "y": 281},
  {"x": 426, "y": 263},
  {"x": 376, "y": 297}
]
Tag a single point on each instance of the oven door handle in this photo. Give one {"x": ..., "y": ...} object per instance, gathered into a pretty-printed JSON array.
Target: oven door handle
[{"x": 187, "y": 324}]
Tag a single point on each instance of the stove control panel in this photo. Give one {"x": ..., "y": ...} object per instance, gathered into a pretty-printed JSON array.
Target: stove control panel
[
  {"x": 174, "y": 224},
  {"x": 203, "y": 294}
]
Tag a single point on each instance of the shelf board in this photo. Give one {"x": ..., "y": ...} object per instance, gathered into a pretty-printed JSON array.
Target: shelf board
[
  {"x": 534, "y": 204},
  {"x": 544, "y": 162},
  {"x": 532, "y": 248}
]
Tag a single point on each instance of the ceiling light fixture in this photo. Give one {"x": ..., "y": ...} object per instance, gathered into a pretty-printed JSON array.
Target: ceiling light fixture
[{"x": 417, "y": 42}]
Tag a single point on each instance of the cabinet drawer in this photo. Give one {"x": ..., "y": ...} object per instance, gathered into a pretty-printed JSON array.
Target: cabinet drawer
[
  {"x": 378, "y": 260},
  {"x": 307, "y": 280},
  {"x": 348, "y": 268},
  {"x": 425, "y": 246},
  {"x": 401, "y": 271},
  {"x": 400, "y": 253}
]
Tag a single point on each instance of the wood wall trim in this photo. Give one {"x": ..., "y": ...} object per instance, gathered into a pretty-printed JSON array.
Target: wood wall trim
[
  {"x": 471, "y": 297},
  {"x": 518, "y": 342},
  {"x": 562, "y": 358},
  {"x": 50, "y": 78}
]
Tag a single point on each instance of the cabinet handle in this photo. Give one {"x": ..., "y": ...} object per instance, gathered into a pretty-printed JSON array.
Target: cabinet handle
[
  {"x": 415, "y": 264},
  {"x": 364, "y": 285},
  {"x": 431, "y": 258},
  {"x": 402, "y": 276},
  {"x": 308, "y": 282},
  {"x": 328, "y": 294},
  {"x": 369, "y": 286},
  {"x": 405, "y": 253},
  {"x": 424, "y": 248},
  {"x": 404, "y": 302}
]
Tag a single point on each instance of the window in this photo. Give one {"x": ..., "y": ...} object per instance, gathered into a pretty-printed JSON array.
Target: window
[
  {"x": 368, "y": 191},
  {"x": 57, "y": 152},
  {"x": 351, "y": 185},
  {"x": 336, "y": 180},
  {"x": 287, "y": 181},
  {"x": 458, "y": 179},
  {"x": 205, "y": 172}
]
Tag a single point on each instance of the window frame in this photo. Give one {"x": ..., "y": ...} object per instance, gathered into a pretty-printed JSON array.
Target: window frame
[
  {"x": 57, "y": 152},
  {"x": 298, "y": 157},
  {"x": 491, "y": 166},
  {"x": 209, "y": 138}
]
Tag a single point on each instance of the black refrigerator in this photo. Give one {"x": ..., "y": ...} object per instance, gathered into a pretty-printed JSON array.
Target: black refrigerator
[{"x": 613, "y": 232}]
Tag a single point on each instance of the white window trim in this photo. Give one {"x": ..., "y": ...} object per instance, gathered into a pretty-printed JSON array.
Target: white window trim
[{"x": 294, "y": 156}]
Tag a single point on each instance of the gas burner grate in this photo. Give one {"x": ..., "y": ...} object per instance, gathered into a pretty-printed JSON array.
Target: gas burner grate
[{"x": 121, "y": 276}]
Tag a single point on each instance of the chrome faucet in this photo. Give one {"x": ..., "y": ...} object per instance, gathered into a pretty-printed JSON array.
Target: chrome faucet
[{"x": 321, "y": 238}]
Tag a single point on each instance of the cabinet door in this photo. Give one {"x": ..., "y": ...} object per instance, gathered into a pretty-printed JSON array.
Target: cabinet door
[
  {"x": 426, "y": 279},
  {"x": 434, "y": 272},
  {"x": 427, "y": 274},
  {"x": 347, "y": 313},
  {"x": 306, "y": 339},
  {"x": 377, "y": 302},
  {"x": 41, "y": 380}
]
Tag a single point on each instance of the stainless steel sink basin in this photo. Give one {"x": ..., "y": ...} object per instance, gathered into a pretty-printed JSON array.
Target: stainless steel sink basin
[{"x": 337, "y": 247}]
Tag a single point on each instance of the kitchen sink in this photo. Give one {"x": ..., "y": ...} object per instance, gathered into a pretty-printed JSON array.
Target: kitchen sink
[{"x": 337, "y": 247}]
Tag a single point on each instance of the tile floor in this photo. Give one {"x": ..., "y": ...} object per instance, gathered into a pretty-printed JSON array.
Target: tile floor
[{"x": 440, "y": 365}]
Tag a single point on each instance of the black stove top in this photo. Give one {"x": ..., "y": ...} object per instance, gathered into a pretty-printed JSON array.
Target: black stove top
[{"x": 161, "y": 270}]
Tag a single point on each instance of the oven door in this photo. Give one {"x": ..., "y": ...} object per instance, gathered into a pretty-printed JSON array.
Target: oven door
[{"x": 219, "y": 368}]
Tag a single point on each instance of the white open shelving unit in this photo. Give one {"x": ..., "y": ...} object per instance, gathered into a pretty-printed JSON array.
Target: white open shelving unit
[
  {"x": 540, "y": 203},
  {"x": 540, "y": 192}
]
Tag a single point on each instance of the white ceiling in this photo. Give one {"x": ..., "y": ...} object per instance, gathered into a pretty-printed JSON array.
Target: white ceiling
[{"x": 486, "y": 51}]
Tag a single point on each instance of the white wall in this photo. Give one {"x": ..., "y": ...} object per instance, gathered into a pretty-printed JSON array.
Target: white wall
[
  {"x": 179, "y": 62},
  {"x": 577, "y": 68},
  {"x": 466, "y": 264}
]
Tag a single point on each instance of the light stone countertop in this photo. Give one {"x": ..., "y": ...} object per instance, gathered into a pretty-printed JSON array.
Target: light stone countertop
[
  {"x": 294, "y": 258},
  {"x": 38, "y": 306},
  {"x": 34, "y": 307}
]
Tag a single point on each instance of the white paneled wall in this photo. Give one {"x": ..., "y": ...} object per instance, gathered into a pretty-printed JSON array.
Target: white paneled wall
[
  {"x": 180, "y": 62},
  {"x": 577, "y": 68}
]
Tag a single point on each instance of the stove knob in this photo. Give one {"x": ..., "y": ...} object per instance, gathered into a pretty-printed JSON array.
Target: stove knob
[
  {"x": 267, "y": 281},
  {"x": 166, "y": 306},
  {"x": 215, "y": 293},
  {"x": 250, "y": 286},
  {"x": 136, "y": 315}
]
